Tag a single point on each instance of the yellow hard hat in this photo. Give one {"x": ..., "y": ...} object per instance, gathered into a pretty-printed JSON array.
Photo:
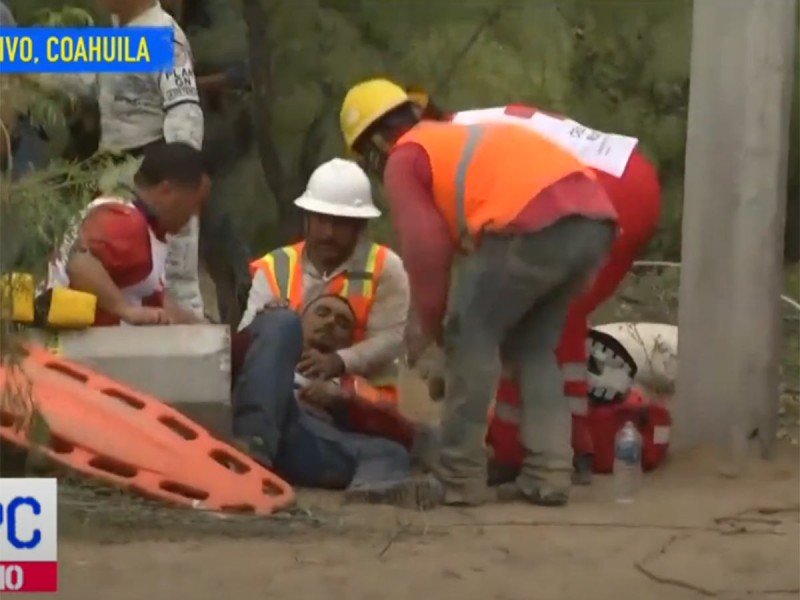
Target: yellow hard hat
[{"x": 365, "y": 103}]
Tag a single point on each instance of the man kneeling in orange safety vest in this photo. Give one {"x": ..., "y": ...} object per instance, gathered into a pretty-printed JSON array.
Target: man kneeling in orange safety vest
[
  {"x": 117, "y": 249},
  {"x": 534, "y": 225},
  {"x": 336, "y": 258},
  {"x": 631, "y": 182}
]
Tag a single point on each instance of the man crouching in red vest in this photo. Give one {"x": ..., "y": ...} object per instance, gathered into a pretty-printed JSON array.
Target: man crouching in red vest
[
  {"x": 533, "y": 226},
  {"x": 337, "y": 258},
  {"x": 631, "y": 182},
  {"x": 117, "y": 249}
]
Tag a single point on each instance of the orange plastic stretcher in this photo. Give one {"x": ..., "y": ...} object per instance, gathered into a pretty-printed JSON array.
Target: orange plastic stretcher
[{"x": 106, "y": 430}]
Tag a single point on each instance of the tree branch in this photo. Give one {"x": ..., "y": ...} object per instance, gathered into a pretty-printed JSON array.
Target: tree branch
[
  {"x": 447, "y": 75},
  {"x": 259, "y": 44}
]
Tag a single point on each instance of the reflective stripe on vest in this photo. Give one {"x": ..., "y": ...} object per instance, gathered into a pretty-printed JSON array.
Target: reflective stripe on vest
[
  {"x": 483, "y": 174},
  {"x": 474, "y": 135},
  {"x": 362, "y": 283},
  {"x": 284, "y": 276}
]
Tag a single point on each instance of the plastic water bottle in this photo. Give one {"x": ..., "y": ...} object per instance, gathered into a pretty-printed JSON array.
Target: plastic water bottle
[{"x": 627, "y": 463}]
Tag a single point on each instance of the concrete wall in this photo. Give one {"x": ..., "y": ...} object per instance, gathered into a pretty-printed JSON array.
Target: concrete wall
[{"x": 187, "y": 366}]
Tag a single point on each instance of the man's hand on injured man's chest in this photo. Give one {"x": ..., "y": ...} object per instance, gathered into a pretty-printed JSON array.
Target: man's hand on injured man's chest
[{"x": 320, "y": 365}]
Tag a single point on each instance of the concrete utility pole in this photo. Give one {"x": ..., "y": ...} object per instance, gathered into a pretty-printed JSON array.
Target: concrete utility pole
[{"x": 742, "y": 76}]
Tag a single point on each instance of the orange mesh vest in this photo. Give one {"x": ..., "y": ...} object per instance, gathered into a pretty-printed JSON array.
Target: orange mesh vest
[
  {"x": 484, "y": 175},
  {"x": 284, "y": 271}
]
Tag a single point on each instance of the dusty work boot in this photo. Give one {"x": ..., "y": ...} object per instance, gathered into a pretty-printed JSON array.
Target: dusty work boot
[
  {"x": 498, "y": 473},
  {"x": 582, "y": 469},
  {"x": 423, "y": 492},
  {"x": 540, "y": 496},
  {"x": 540, "y": 486}
]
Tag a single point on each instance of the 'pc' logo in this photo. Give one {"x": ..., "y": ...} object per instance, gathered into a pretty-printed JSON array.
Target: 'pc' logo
[
  {"x": 11, "y": 521},
  {"x": 28, "y": 535}
]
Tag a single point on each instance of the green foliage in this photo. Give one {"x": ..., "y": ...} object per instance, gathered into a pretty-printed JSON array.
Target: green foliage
[
  {"x": 67, "y": 17},
  {"x": 618, "y": 66},
  {"x": 51, "y": 13},
  {"x": 613, "y": 65}
]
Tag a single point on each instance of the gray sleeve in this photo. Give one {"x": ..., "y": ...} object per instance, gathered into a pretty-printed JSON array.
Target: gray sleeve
[
  {"x": 386, "y": 324},
  {"x": 183, "y": 117},
  {"x": 260, "y": 295}
]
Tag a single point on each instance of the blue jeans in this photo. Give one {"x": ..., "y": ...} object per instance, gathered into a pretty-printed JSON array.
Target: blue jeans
[{"x": 302, "y": 448}]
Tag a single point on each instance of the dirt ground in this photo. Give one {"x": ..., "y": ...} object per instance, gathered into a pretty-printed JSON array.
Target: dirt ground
[{"x": 690, "y": 534}]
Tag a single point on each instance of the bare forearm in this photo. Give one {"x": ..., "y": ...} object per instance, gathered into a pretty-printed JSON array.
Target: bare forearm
[{"x": 88, "y": 274}]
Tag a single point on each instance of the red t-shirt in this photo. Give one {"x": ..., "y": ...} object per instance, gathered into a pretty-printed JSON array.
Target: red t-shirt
[{"x": 118, "y": 236}]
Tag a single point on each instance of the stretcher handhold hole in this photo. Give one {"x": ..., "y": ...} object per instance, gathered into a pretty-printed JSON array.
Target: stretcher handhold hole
[
  {"x": 270, "y": 488},
  {"x": 67, "y": 370},
  {"x": 127, "y": 399},
  {"x": 115, "y": 467},
  {"x": 181, "y": 489},
  {"x": 59, "y": 445},
  {"x": 185, "y": 431},
  {"x": 229, "y": 461},
  {"x": 242, "y": 509}
]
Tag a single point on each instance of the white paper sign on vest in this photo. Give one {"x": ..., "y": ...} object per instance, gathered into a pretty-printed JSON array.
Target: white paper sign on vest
[{"x": 607, "y": 152}]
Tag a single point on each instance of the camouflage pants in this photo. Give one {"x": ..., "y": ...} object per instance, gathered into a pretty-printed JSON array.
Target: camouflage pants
[
  {"x": 512, "y": 297},
  {"x": 183, "y": 283}
]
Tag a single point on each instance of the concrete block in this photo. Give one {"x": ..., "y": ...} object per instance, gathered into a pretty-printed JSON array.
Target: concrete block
[{"x": 187, "y": 366}]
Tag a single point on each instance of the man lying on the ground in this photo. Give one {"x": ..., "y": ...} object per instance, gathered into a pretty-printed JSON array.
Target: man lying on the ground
[
  {"x": 117, "y": 251},
  {"x": 306, "y": 432},
  {"x": 337, "y": 257}
]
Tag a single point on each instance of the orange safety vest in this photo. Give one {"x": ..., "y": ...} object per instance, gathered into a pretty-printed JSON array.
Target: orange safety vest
[
  {"x": 485, "y": 175},
  {"x": 284, "y": 271}
]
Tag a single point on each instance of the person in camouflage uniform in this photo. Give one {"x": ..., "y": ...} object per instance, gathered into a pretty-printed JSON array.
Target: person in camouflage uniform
[{"x": 138, "y": 109}]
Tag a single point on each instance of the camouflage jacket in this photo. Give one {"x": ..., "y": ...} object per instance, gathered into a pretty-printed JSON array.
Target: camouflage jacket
[{"x": 139, "y": 108}]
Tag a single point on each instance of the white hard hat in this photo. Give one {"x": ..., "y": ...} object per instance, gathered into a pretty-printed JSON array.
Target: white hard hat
[{"x": 339, "y": 188}]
